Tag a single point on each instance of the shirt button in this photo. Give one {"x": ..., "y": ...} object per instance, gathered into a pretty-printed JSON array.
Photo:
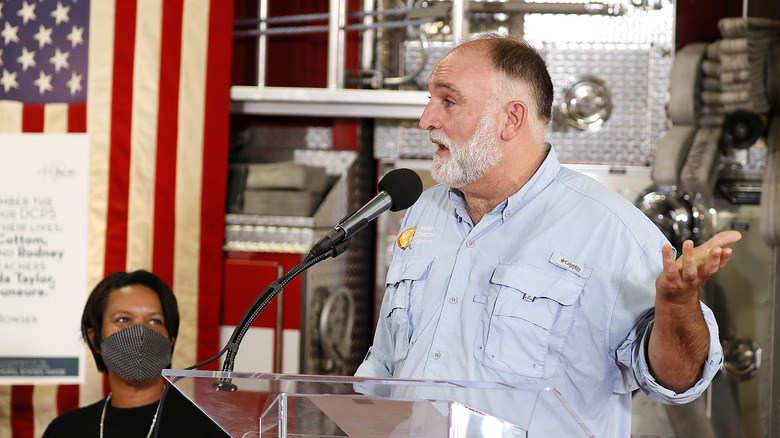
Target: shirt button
[
  {"x": 453, "y": 300},
  {"x": 470, "y": 244},
  {"x": 507, "y": 214},
  {"x": 436, "y": 355}
]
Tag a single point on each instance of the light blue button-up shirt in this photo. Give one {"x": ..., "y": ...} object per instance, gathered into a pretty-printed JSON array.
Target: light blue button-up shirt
[{"x": 554, "y": 287}]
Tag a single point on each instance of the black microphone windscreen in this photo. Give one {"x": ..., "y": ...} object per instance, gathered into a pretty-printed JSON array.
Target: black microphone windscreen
[{"x": 404, "y": 187}]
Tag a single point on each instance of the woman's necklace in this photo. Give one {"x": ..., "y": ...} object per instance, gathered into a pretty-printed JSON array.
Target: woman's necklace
[{"x": 103, "y": 417}]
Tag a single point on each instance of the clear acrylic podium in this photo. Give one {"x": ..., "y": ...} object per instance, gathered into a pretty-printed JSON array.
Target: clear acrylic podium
[{"x": 297, "y": 406}]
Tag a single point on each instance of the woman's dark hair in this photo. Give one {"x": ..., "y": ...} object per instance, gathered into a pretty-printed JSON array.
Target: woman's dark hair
[{"x": 92, "y": 318}]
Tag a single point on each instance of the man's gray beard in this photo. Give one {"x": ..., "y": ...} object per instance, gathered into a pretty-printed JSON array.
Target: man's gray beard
[{"x": 467, "y": 162}]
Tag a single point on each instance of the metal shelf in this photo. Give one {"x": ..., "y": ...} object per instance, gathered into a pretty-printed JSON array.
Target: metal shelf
[{"x": 327, "y": 102}]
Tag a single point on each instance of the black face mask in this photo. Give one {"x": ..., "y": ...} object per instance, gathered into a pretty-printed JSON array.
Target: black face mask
[{"x": 136, "y": 353}]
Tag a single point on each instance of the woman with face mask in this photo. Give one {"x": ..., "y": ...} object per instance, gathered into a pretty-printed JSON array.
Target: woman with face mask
[{"x": 130, "y": 323}]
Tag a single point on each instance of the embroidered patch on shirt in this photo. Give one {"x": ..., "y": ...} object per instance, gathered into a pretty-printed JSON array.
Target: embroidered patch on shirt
[
  {"x": 568, "y": 264},
  {"x": 405, "y": 238}
]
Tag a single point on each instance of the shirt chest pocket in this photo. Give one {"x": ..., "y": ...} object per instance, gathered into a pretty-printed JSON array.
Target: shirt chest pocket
[
  {"x": 403, "y": 289},
  {"x": 526, "y": 319}
]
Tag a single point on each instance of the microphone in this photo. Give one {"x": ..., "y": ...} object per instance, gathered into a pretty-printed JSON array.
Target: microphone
[{"x": 398, "y": 190}]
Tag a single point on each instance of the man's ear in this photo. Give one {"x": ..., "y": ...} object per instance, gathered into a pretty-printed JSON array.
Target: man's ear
[{"x": 516, "y": 119}]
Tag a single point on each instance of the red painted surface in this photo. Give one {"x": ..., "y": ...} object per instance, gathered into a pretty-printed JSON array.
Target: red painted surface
[{"x": 246, "y": 275}]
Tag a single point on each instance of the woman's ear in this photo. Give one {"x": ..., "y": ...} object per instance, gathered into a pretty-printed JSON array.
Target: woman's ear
[
  {"x": 173, "y": 341},
  {"x": 91, "y": 336},
  {"x": 516, "y": 119}
]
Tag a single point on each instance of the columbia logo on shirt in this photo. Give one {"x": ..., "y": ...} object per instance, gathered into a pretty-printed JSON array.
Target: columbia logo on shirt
[{"x": 570, "y": 265}]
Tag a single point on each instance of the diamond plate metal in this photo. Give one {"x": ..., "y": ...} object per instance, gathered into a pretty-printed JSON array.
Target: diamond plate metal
[
  {"x": 311, "y": 137},
  {"x": 627, "y": 136}
]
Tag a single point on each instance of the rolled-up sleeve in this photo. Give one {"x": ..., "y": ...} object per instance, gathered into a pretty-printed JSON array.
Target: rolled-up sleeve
[
  {"x": 653, "y": 389},
  {"x": 373, "y": 367}
]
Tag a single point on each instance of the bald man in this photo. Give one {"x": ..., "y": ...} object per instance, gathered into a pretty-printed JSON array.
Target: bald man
[{"x": 515, "y": 269}]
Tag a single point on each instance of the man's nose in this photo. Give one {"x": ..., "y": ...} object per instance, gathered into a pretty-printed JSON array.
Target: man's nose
[{"x": 428, "y": 120}]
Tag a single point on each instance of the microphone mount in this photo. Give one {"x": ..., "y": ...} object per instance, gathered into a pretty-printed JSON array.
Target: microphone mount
[{"x": 265, "y": 298}]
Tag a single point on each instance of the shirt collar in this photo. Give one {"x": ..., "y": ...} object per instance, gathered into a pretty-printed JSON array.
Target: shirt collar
[
  {"x": 461, "y": 213},
  {"x": 540, "y": 179}
]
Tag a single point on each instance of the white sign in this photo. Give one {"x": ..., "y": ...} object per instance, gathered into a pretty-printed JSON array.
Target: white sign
[{"x": 44, "y": 188}]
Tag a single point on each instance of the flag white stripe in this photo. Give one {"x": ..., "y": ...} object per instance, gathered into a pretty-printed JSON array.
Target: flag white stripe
[
  {"x": 5, "y": 408},
  {"x": 10, "y": 116},
  {"x": 189, "y": 171},
  {"x": 45, "y": 406},
  {"x": 143, "y": 136},
  {"x": 55, "y": 118}
]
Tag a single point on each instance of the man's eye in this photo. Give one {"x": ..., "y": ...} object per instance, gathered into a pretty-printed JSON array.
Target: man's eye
[{"x": 448, "y": 102}]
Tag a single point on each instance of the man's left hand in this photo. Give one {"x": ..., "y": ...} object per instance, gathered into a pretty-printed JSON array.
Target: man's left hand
[
  {"x": 681, "y": 278},
  {"x": 679, "y": 339}
]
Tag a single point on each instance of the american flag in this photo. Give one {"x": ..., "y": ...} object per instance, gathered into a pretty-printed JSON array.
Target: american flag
[{"x": 149, "y": 81}]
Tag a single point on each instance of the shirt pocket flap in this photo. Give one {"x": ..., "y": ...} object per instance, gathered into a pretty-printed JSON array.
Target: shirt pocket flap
[
  {"x": 414, "y": 268},
  {"x": 535, "y": 283}
]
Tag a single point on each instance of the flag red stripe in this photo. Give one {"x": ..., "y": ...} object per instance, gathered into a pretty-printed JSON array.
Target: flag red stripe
[
  {"x": 167, "y": 131},
  {"x": 32, "y": 117},
  {"x": 67, "y": 398},
  {"x": 22, "y": 423},
  {"x": 121, "y": 118},
  {"x": 215, "y": 135},
  {"x": 77, "y": 117}
]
